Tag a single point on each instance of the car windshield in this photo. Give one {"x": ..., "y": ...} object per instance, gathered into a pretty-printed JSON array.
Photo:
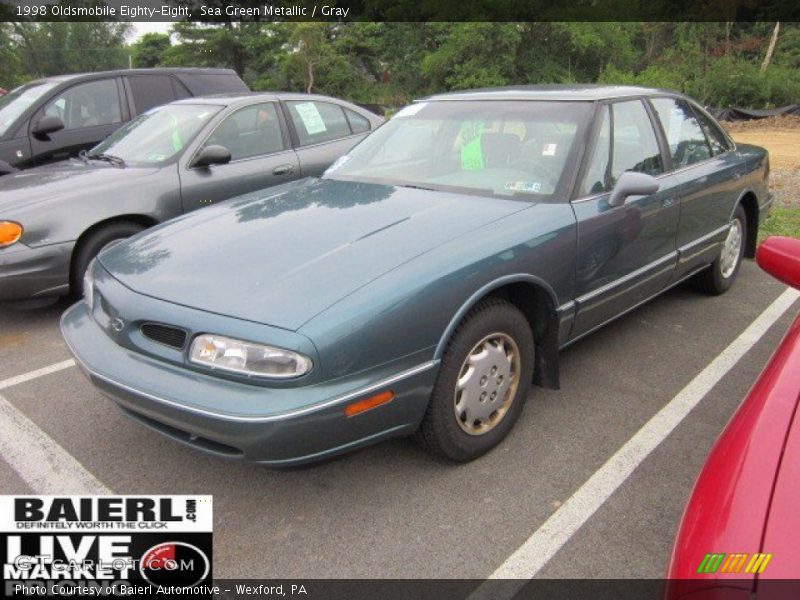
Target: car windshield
[
  {"x": 496, "y": 148},
  {"x": 18, "y": 100},
  {"x": 156, "y": 136}
]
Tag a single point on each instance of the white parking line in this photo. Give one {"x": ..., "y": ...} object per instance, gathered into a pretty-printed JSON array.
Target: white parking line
[
  {"x": 39, "y": 460},
  {"x": 546, "y": 541},
  {"x": 7, "y": 383}
]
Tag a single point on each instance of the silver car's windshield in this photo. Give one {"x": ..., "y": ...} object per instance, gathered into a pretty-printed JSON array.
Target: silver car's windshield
[
  {"x": 18, "y": 100},
  {"x": 497, "y": 148},
  {"x": 158, "y": 135}
]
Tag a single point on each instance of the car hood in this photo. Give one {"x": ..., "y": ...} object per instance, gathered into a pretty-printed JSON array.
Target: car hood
[
  {"x": 63, "y": 180},
  {"x": 280, "y": 258}
]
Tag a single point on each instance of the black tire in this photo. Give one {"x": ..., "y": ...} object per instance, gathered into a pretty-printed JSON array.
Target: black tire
[
  {"x": 440, "y": 431},
  {"x": 712, "y": 280},
  {"x": 91, "y": 246}
]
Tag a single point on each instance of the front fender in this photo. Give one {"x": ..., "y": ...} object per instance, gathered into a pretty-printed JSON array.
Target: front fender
[{"x": 412, "y": 310}]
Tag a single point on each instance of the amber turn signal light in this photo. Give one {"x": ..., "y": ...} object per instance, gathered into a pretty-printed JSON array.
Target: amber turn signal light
[
  {"x": 367, "y": 403},
  {"x": 10, "y": 233}
]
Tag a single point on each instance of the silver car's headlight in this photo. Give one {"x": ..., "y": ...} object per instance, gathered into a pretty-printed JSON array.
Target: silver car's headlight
[
  {"x": 88, "y": 287},
  {"x": 247, "y": 358}
]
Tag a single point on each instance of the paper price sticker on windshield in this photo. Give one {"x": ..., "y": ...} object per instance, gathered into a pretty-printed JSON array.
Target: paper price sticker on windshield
[
  {"x": 104, "y": 545},
  {"x": 549, "y": 149},
  {"x": 526, "y": 187},
  {"x": 311, "y": 118}
]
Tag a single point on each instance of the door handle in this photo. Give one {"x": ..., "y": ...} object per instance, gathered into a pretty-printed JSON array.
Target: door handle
[
  {"x": 667, "y": 202},
  {"x": 283, "y": 170}
]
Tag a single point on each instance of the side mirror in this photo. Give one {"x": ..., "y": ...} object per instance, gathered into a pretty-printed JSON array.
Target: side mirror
[
  {"x": 631, "y": 183},
  {"x": 47, "y": 125},
  {"x": 212, "y": 155},
  {"x": 780, "y": 257}
]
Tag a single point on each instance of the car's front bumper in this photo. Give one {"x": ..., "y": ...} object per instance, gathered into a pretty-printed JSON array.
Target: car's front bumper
[
  {"x": 190, "y": 407},
  {"x": 27, "y": 272}
]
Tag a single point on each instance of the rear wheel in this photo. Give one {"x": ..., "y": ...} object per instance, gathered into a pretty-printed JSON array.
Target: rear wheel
[
  {"x": 719, "y": 277},
  {"x": 483, "y": 382},
  {"x": 92, "y": 245}
]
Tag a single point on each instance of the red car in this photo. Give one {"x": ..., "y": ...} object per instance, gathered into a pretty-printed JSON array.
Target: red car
[{"x": 740, "y": 533}]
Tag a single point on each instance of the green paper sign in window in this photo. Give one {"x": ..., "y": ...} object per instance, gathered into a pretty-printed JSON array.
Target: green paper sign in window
[{"x": 471, "y": 152}]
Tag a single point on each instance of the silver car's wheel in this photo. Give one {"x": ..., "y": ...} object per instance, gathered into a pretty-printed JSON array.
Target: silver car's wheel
[
  {"x": 731, "y": 249},
  {"x": 487, "y": 384}
]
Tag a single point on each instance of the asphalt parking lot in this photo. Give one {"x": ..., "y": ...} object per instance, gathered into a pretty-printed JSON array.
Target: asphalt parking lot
[{"x": 391, "y": 511}]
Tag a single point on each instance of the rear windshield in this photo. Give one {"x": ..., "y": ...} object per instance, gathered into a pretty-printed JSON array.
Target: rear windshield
[
  {"x": 496, "y": 148},
  {"x": 18, "y": 100}
]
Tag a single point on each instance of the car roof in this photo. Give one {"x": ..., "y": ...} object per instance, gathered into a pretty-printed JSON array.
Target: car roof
[
  {"x": 163, "y": 71},
  {"x": 235, "y": 98},
  {"x": 556, "y": 92}
]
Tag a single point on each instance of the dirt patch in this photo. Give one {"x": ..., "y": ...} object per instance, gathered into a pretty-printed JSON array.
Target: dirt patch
[
  {"x": 783, "y": 145},
  {"x": 781, "y": 137}
]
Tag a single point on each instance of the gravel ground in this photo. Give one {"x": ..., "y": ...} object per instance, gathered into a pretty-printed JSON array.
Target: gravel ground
[{"x": 785, "y": 184}]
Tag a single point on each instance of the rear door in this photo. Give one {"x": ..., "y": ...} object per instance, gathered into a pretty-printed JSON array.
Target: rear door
[
  {"x": 322, "y": 132},
  {"x": 260, "y": 157},
  {"x": 708, "y": 173},
  {"x": 625, "y": 254},
  {"x": 91, "y": 111}
]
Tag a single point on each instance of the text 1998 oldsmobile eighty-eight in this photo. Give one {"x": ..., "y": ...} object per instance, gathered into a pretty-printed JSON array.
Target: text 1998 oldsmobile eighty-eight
[{"x": 425, "y": 281}]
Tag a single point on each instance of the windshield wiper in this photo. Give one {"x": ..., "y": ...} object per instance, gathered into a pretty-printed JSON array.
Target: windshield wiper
[{"x": 110, "y": 158}]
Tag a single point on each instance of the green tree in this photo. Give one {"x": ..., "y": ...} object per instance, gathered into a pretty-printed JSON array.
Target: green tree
[
  {"x": 54, "y": 48},
  {"x": 470, "y": 55},
  {"x": 11, "y": 73},
  {"x": 149, "y": 51}
]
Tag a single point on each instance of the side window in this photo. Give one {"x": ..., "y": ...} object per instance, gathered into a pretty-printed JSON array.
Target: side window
[
  {"x": 687, "y": 142},
  {"x": 150, "y": 90},
  {"x": 598, "y": 174},
  {"x": 358, "y": 123},
  {"x": 87, "y": 105},
  {"x": 317, "y": 122},
  {"x": 716, "y": 138},
  {"x": 633, "y": 147},
  {"x": 250, "y": 131}
]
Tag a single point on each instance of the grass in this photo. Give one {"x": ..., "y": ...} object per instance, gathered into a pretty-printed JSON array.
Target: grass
[{"x": 781, "y": 221}]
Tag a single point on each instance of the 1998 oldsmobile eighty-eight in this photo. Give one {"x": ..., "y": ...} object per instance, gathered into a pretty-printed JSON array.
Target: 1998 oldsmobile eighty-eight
[{"x": 425, "y": 281}]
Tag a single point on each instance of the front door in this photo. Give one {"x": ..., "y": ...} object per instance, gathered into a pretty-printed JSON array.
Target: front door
[
  {"x": 626, "y": 253},
  {"x": 260, "y": 157},
  {"x": 90, "y": 111}
]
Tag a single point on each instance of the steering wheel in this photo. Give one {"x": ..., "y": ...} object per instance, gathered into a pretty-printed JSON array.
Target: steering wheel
[{"x": 526, "y": 164}]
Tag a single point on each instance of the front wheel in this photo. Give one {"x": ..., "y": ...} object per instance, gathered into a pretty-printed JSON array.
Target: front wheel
[
  {"x": 484, "y": 379},
  {"x": 93, "y": 245},
  {"x": 719, "y": 277}
]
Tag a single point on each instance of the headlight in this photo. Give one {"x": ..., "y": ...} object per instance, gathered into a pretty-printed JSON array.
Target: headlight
[
  {"x": 10, "y": 233},
  {"x": 257, "y": 360},
  {"x": 88, "y": 287}
]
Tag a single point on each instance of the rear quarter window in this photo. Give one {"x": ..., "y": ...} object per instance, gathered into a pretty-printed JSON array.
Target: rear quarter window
[
  {"x": 150, "y": 91},
  {"x": 317, "y": 122}
]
